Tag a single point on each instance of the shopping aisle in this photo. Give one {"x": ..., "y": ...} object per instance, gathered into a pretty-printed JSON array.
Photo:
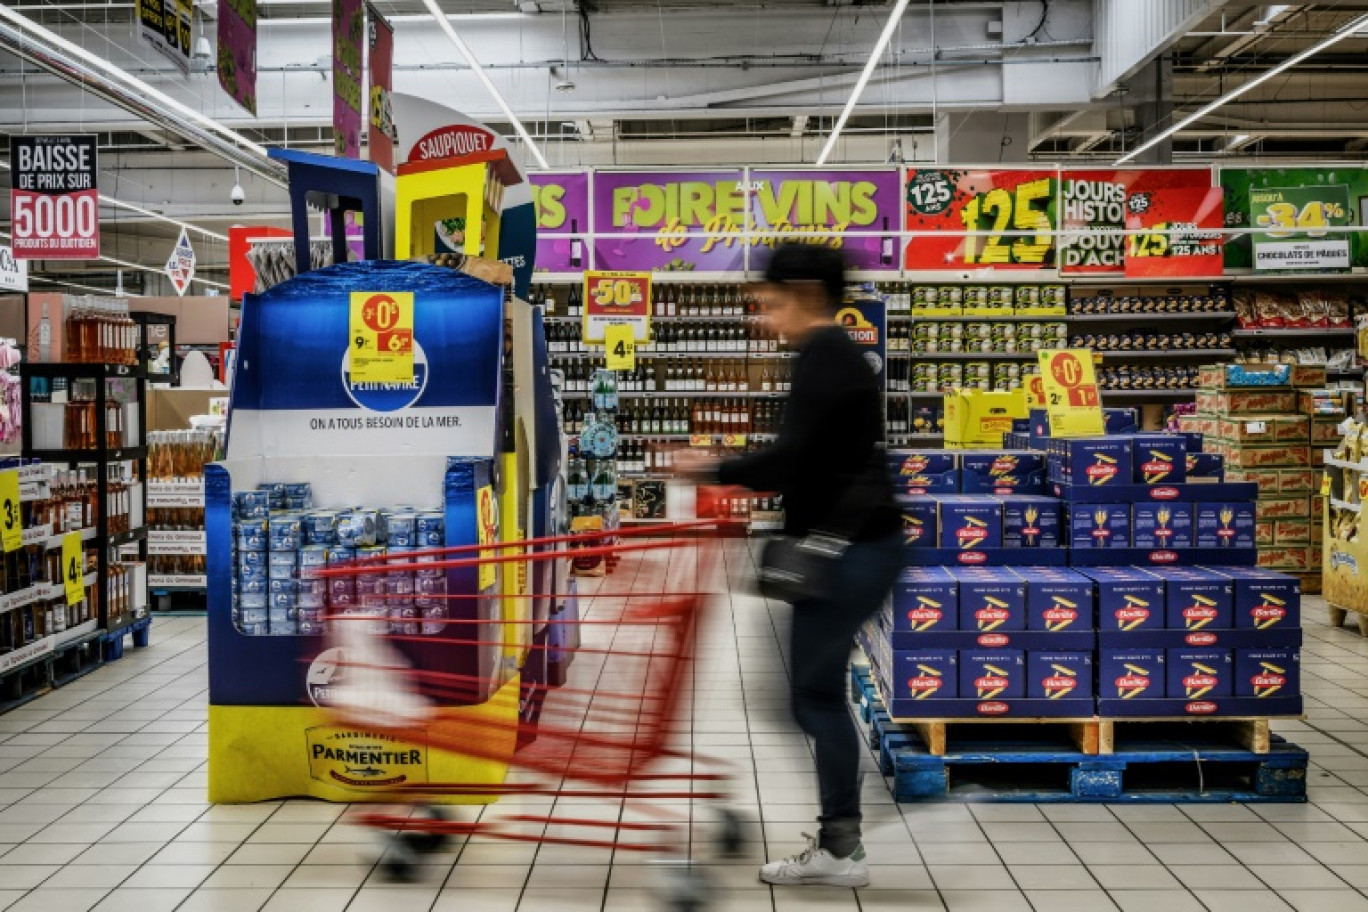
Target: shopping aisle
[{"x": 102, "y": 806}]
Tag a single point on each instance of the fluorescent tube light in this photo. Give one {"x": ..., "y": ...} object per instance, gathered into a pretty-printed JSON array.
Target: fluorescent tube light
[
  {"x": 1348, "y": 31},
  {"x": 887, "y": 35},
  {"x": 480, "y": 74}
]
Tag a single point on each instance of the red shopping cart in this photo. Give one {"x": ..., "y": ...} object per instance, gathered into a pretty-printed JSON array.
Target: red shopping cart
[{"x": 605, "y": 736}]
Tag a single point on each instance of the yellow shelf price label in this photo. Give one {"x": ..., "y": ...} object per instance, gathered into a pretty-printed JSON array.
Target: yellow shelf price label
[
  {"x": 381, "y": 334},
  {"x": 1072, "y": 399},
  {"x": 11, "y": 515},
  {"x": 620, "y": 344},
  {"x": 700, "y": 440},
  {"x": 73, "y": 567},
  {"x": 734, "y": 440}
]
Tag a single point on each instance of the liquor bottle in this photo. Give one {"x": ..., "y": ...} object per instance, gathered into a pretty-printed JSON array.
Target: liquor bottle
[
  {"x": 577, "y": 245},
  {"x": 575, "y": 306},
  {"x": 886, "y": 246}
]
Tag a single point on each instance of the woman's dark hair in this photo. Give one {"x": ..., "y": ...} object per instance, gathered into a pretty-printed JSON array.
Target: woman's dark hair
[{"x": 792, "y": 262}]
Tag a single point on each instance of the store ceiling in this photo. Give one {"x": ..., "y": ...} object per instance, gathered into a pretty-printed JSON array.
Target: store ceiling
[{"x": 713, "y": 82}]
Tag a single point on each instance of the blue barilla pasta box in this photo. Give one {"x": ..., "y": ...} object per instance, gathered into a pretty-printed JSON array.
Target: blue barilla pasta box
[
  {"x": 1158, "y": 459},
  {"x": 925, "y": 599},
  {"x": 1093, "y": 461},
  {"x": 1196, "y": 599},
  {"x": 967, "y": 523},
  {"x": 1265, "y": 673},
  {"x": 997, "y": 674},
  {"x": 1264, "y": 599},
  {"x": 1205, "y": 467},
  {"x": 1030, "y": 521},
  {"x": 1199, "y": 674},
  {"x": 925, "y": 674},
  {"x": 1131, "y": 674},
  {"x": 1059, "y": 675},
  {"x": 991, "y": 599},
  {"x": 924, "y": 471},
  {"x": 1057, "y": 600},
  {"x": 1224, "y": 525},
  {"x": 1002, "y": 472},
  {"x": 1128, "y": 598},
  {"x": 1104, "y": 525},
  {"x": 1162, "y": 524},
  {"x": 919, "y": 521}
]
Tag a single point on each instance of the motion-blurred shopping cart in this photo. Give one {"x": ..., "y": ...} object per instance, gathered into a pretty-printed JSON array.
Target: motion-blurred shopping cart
[{"x": 604, "y": 737}]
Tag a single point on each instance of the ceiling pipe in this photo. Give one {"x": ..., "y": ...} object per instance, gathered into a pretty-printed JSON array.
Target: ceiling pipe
[{"x": 45, "y": 50}]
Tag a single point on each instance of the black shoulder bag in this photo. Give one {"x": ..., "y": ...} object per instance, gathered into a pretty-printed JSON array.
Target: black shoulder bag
[{"x": 794, "y": 569}]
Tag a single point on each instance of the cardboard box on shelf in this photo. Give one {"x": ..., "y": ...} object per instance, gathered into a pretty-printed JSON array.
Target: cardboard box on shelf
[
  {"x": 976, "y": 419},
  {"x": 1058, "y": 675},
  {"x": 1199, "y": 674},
  {"x": 1244, "y": 375},
  {"x": 1263, "y": 534},
  {"x": 1246, "y": 402},
  {"x": 1296, "y": 507},
  {"x": 1265, "y": 673},
  {"x": 1128, "y": 598},
  {"x": 1163, "y": 524},
  {"x": 1101, "y": 525},
  {"x": 1307, "y": 375},
  {"x": 1205, "y": 467},
  {"x": 1130, "y": 674},
  {"x": 1030, "y": 521},
  {"x": 1268, "y": 480},
  {"x": 1158, "y": 459},
  {"x": 969, "y": 522},
  {"x": 1197, "y": 599},
  {"x": 1288, "y": 558},
  {"x": 1264, "y": 599},
  {"x": 991, "y": 599},
  {"x": 1325, "y": 431},
  {"x": 998, "y": 674},
  {"x": 1265, "y": 429},
  {"x": 1002, "y": 472},
  {"x": 1057, "y": 600},
  {"x": 1282, "y": 456},
  {"x": 925, "y": 674},
  {"x": 1224, "y": 525},
  {"x": 1091, "y": 460},
  {"x": 1293, "y": 531},
  {"x": 919, "y": 521},
  {"x": 1198, "y": 424},
  {"x": 925, "y": 599}
]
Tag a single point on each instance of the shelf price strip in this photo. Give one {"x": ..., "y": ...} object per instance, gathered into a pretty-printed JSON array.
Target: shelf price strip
[{"x": 11, "y": 517}]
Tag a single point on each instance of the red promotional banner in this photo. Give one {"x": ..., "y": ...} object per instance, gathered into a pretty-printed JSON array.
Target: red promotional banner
[
  {"x": 1012, "y": 213},
  {"x": 54, "y": 198},
  {"x": 381, "y": 135},
  {"x": 1095, "y": 205},
  {"x": 1184, "y": 238}
]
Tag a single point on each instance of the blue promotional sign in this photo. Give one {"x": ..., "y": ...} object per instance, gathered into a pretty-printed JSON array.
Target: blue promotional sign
[{"x": 866, "y": 320}]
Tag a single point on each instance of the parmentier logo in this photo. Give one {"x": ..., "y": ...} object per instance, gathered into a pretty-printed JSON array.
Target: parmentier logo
[{"x": 387, "y": 397}]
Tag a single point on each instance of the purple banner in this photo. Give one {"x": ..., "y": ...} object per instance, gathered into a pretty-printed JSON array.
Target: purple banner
[
  {"x": 348, "y": 33},
  {"x": 838, "y": 202},
  {"x": 562, "y": 202},
  {"x": 670, "y": 221},
  {"x": 237, "y": 46}
]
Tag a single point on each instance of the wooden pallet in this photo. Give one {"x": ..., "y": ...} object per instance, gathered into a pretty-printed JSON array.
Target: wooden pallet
[
  {"x": 1083, "y": 734},
  {"x": 1028, "y": 763},
  {"x": 1339, "y": 614},
  {"x": 1253, "y": 734},
  {"x": 1311, "y": 583}
]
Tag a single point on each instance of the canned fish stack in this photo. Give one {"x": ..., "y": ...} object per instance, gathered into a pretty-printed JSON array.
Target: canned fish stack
[{"x": 281, "y": 544}]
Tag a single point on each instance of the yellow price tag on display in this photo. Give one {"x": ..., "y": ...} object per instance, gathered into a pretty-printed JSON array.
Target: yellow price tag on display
[
  {"x": 381, "y": 337},
  {"x": 733, "y": 440},
  {"x": 700, "y": 440},
  {"x": 1071, "y": 396},
  {"x": 1325, "y": 484},
  {"x": 11, "y": 516},
  {"x": 620, "y": 343},
  {"x": 73, "y": 567}
]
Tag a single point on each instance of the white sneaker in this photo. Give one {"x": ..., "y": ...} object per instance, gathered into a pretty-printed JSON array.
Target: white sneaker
[{"x": 815, "y": 865}]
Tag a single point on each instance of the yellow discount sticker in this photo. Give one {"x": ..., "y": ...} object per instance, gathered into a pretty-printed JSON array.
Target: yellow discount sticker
[
  {"x": 11, "y": 516},
  {"x": 381, "y": 341},
  {"x": 1071, "y": 396},
  {"x": 73, "y": 567},
  {"x": 619, "y": 342}
]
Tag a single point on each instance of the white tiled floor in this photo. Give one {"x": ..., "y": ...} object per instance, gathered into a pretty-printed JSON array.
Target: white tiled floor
[{"x": 102, "y": 807}]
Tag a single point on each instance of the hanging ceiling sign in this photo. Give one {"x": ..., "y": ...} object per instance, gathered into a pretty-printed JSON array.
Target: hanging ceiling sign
[
  {"x": 348, "y": 32},
  {"x": 562, "y": 203},
  {"x": 1181, "y": 233},
  {"x": 168, "y": 26},
  {"x": 13, "y": 272},
  {"x": 679, "y": 221},
  {"x": 855, "y": 212},
  {"x": 380, "y": 135},
  {"x": 237, "y": 47},
  {"x": 180, "y": 268},
  {"x": 54, "y": 198}
]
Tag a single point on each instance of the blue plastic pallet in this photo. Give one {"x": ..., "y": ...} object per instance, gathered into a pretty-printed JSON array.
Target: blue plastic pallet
[
  {"x": 1009, "y": 767},
  {"x": 141, "y": 630}
]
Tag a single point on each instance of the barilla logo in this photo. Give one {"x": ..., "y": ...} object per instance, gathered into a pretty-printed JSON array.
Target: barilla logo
[
  {"x": 1156, "y": 468},
  {"x": 927, "y": 682},
  {"x": 1030, "y": 530},
  {"x": 992, "y": 682},
  {"x": 913, "y": 530},
  {"x": 1167, "y": 492},
  {"x": 1164, "y": 532},
  {"x": 1225, "y": 533},
  {"x": 1269, "y": 612},
  {"x": 972, "y": 557},
  {"x": 993, "y": 639},
  {"x": 1058, "y": 685},
  {"x": 1269, "y": 680},
  {"x": 993, "y": 708},
  {"x": 1200, "y": 708},
  {"x": 1004, "y": 486},
  {"x": 1101, "y": 472},
  {"x": 1163, "y": 557},
  {"x": 915, "y": 465},
  {"x": 1197, "y": 616},
  {"x": 1132, "y": 616},
  {"x": 1199, "y": 682},
  {"x": 1058, "y": 617},
  {"x": 970, "y": 536},
  {"x": 992, "y": 615},
  {"x": 1003, "y": 465},
  {"x": 1101, "y": 533},
  {"x": 924, "y": 616},
  {"x": 1200, "y": 639},
  {"x": 1130, "y": 685}
]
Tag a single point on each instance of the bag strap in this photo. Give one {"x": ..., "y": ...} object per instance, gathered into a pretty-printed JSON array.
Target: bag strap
[{"x": 865, "y": 493}]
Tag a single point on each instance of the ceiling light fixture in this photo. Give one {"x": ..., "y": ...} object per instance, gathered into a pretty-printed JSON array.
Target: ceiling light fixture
[
  {"x": 1348, "y": 31},
  {"x": 133, "y": 82},
  {"x": 879, "y": 46},
  {"x": 483, "y": 77}
]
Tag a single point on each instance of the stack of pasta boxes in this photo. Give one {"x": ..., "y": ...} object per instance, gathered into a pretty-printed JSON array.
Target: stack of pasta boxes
[
  {"x": 1265, "y": 424},
  {"x": 1113, "y": 574}
]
